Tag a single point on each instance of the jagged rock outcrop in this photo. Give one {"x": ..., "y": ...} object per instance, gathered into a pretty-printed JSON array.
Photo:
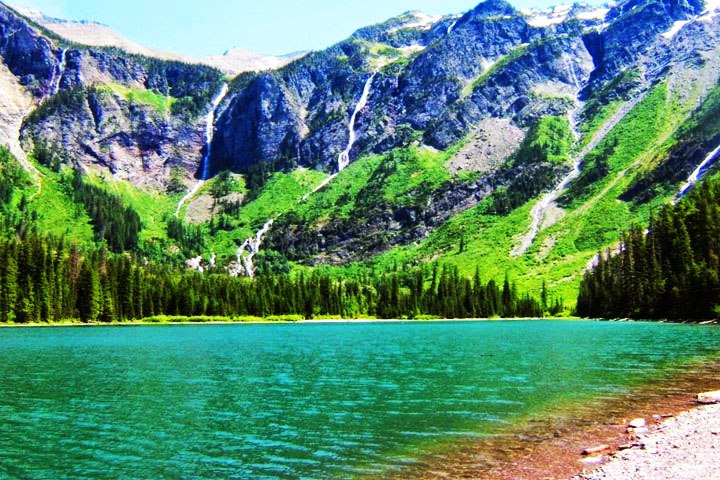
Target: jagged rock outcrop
[{"x": 623, "y": 44}]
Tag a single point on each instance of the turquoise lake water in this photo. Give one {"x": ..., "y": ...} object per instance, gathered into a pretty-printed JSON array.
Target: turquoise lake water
[{"x": 301, "y": 400}]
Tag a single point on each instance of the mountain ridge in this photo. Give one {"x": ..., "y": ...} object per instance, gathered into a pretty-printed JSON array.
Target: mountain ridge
[
  {"x": 518, "y": 141},
  {"x": 95, "y": 34}
]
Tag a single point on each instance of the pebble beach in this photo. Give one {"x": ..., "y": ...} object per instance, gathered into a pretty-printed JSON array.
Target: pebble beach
[{"x": 685, "y": 447}]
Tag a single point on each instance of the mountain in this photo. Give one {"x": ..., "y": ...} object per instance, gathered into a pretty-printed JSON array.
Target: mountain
[
  {"x": 519, "y": 141},
  {"x": 94, "y": 34}
]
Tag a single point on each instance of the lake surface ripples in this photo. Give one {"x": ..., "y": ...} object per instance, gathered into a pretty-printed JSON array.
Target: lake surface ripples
[{"x": 303, "y": 400}]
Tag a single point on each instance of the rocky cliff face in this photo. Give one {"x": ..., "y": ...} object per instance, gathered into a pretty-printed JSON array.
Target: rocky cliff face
[
  {"x": 133, "y": 116},
  {"x": 30, "y": 56},
  {"x": 437, "y": 83},
  {"x": 436, "y": 77},
  {"x": 440, "y": 78}
]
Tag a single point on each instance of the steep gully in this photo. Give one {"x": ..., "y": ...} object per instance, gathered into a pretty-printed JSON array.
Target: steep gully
[
  {"x": 540, "y": 210},
  {"x": 54, "y": 89},
  {"x": 694, "y": 177},
  {"x": 58, "y": 73},
  {"x": 209, "y": 134},
  {"x": 251, "y": 247},
  {"x": 697, "y": 174}
]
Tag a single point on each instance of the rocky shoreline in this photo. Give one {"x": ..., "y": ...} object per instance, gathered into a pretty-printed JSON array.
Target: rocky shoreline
[{"x": 683, "y": 447}]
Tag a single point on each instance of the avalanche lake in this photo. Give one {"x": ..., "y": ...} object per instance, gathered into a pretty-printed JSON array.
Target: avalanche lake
[{"x": 310, "y": 400}]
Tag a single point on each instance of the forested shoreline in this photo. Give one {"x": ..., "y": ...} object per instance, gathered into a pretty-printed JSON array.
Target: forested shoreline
[
  {"x": 46, "y": 280},
  {"x": 669, "y": 271}
]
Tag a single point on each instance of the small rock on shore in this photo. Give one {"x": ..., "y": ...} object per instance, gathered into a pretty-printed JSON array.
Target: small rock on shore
[{"x": 686, "y": 447}]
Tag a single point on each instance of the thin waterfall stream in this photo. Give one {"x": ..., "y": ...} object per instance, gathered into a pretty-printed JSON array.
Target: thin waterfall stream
[
  {"x": 697, "y": 174},
  {"x": 209, "y": 134},
  {"x": 344, "y": 157},
  {"x": 251, "y": 247},
  {"x": 58, "y": 74}
]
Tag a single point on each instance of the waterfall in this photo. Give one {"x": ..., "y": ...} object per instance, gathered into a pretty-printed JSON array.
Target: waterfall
[
  {"x": 344, "y": 157},
  {"x": 697, "y": 174},
  {"x": 540, "y": 209},
  {"x": 58, "y": 73},
  {"x": 209, "y": 134},
  {"x": 247, "y": 251},
  {"x": 251, "y": 247},
  {"x": 210, "y": 129},
  {"x": 571, "y": 71}
]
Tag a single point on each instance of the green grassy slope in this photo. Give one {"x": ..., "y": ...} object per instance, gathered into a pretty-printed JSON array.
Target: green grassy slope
[
  {"x": 594, "y": 214},
  {"x": 593, "y": 210}
]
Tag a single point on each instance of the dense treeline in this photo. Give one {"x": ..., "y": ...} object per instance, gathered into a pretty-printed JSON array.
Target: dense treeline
[
  {"x": 190, "y": 238},
  {"x": 46, "y": 280},
  {"x": 16, "y": 218},
  {"x": 112, "y": 221},
  {"x": 670, "y": 272}
]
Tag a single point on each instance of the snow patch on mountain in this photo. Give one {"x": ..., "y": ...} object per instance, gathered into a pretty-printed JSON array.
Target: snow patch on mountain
[
  {"x": 416, "y": 20},
  {"x": 712, "y": 8},
  {"x": 676, "y": 27},
  {"x": 561, "y": 13}
]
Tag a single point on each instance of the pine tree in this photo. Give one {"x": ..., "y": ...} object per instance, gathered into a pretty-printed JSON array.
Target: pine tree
[{"x": 89, "y": 293}]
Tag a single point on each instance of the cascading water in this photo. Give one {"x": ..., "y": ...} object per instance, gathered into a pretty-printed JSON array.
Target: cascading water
[
  {"x": 210, "y": 129},
  {"x": 697, "y": 174},
  {"x": 572, "y": 74},
  {"x": 251, "y": 247},
  {"x": 540, "y": 209},
  {"x": 209, "y": 134},
  {"x": 247, "y": 251},
  {"x": 58, "y": 73},
  {"x": 344, "y": 157}
]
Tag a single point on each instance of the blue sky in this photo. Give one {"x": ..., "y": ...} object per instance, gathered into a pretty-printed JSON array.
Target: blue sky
[{"x": 204, "y": 27}]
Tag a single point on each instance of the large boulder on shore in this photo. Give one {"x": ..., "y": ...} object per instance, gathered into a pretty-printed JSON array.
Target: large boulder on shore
[{"x": 709, "y": 397}]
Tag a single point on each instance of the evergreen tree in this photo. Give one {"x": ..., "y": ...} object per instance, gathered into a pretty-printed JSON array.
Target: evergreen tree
[{"x": 89, "y": 293}]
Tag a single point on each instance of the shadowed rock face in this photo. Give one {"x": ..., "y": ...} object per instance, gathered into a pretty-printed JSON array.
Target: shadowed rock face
[{"x": 27, "y": 54}]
